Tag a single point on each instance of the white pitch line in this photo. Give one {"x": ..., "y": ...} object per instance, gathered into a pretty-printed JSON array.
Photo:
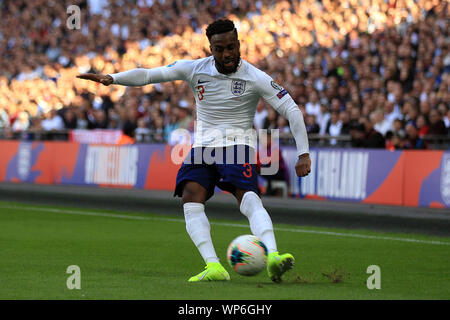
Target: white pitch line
[{"x": 235, "y": 225}]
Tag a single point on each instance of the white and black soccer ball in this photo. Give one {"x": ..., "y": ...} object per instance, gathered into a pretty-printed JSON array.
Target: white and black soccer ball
[{"x": 247, "y": 255}]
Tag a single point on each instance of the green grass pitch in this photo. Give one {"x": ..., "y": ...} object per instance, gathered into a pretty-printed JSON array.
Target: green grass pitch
[{"x": 146, "y": 256}]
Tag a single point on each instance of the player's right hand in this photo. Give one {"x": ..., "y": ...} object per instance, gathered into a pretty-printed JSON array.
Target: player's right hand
[{"x": 103, "y": 79}]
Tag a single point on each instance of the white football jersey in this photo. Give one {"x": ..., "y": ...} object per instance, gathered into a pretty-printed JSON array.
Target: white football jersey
[{"x": 226, "y": 104}]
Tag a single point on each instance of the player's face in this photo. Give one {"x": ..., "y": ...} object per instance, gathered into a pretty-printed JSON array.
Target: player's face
[{"x": 225, "y": 49}]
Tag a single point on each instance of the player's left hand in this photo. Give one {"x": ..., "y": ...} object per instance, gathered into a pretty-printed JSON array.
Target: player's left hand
[{"x": 303, "y": 165}]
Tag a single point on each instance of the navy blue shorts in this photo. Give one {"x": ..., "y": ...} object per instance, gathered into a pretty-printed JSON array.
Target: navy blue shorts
[{"x": 228, "y": 168}]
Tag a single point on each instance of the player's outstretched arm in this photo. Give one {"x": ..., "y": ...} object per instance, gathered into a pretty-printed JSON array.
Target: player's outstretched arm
[
  {"x": 179, "y": 70},
  {"x": 134, "y": 78},
  {"x": 103, "y": 79}
]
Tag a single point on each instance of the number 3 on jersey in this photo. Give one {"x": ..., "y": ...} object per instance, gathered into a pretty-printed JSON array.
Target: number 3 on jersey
[
  {"x": 200, "y": 92},
  {"x": 248, "y": 172}
]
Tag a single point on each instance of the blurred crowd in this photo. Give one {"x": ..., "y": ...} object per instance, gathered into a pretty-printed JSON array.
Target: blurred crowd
[{"x": 375, "y": 70}]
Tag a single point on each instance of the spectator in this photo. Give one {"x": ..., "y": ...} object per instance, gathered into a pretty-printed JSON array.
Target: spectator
[
  {"x": 334, "y": 126},
  {"x": 437, "y": 125},
  {"x": 357, "y": 134},
  {"x": 114, "y": 119},
  {"x": 70, "y": 119},
  {"x": 313, "y": 104},
  {"x": 372, "y": 138},
  {"x": 281, "y": 174},
  {"x": 185, "y": 120},
  {"x": 52, "y": 121},
  {"x": 271, "y": 120},
  {"x": 170, "y": 126},
  {"x": 158, "y": 129},
  {"x": 131, "y": 119},
  {"x": 311, "y": 126},
  {"x": 425, "y": 108},
  {"x": 22, "y": 122},
  {"x": 443, "y": 110},
  {"x": 260, "y": 115},
  {"x": 422, "y": 126},
  {"x": 142, "y": 133},
  {"x": 344, "y": 117},
  {"x": 4, "y": 119},
  {"x": 82, "y": 120},
  {"x": 36, "y": 124},
  {"x": 412, "y": 112},
  {"x": 122, "y": 116},
  {"x": 128, "y": 133},
  {"x": 413, "y": 141},
  {"x": 392, "y": 112},
  {"x": 323, "y": 118},
  {"x": 395, "y": 142},
  {"x": 98, "y": 120},
  {"x": 355, "y": 114},
  {"x": 283, "y": 125}
]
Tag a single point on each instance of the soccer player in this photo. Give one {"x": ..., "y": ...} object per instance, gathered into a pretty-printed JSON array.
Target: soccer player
[{"x": 227, "y": 90}]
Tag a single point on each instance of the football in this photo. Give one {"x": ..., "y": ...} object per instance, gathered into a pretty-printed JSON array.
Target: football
[{"x": 247, "y": 255}]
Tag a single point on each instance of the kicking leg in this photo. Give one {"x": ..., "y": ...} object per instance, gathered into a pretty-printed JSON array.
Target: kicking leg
[{"x": 261, "y": 226}]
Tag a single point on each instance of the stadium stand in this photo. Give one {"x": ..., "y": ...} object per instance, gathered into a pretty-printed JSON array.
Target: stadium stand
[{"x": 367, "y": 73}]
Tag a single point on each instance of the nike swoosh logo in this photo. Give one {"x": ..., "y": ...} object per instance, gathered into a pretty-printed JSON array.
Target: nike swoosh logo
[
  {"x": 203, "y": 275},
  {"x": 200, "y": 81}
]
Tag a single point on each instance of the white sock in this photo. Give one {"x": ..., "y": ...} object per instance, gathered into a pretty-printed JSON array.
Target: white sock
[
  {"x": 198, "y": 228},
  {"x": 260, "y": 222}
]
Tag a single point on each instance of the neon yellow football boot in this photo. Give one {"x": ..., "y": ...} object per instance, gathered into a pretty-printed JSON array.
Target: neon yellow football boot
[
  {"x": 214, "y": 271},
  {"x": 277, "y": 265}
]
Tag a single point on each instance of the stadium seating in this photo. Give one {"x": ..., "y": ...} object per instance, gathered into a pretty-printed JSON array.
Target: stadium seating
[{"x": 334, "y": 60}]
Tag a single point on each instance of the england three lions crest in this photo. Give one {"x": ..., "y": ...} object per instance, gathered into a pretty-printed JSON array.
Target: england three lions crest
[{"x": 238, "y": 87}]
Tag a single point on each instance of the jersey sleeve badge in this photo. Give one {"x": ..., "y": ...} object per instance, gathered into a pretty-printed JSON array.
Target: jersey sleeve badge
[{"x": 281, "y": 91}]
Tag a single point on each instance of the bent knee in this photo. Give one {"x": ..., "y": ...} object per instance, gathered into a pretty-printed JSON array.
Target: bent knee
[{"x": 193, "y": 192}]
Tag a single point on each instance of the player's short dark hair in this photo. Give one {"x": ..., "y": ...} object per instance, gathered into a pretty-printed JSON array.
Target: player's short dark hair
[{"x": 220, "y": 26}]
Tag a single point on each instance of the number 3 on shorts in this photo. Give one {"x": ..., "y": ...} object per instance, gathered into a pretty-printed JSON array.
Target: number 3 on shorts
[{"x": 248, "y": 172}]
